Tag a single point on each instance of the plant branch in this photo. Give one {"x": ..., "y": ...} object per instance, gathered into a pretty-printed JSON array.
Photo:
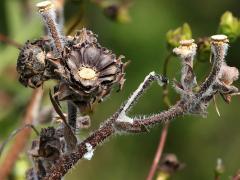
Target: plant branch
[
  {"x": 14, "y": 133},
  {"x": 158, "y": 155},
  {"x": 9, "y": 41}
]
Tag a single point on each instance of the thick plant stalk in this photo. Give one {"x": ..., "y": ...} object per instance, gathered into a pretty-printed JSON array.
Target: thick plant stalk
[{"x": 22, "y": 138}]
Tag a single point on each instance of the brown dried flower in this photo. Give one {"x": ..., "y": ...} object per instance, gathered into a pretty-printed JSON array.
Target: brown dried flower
[
  {"x": 87, "y": 70},
  {"x": 31, "y": 63}
]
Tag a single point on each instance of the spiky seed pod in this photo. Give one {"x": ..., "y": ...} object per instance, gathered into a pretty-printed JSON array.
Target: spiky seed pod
[
  {"x": 31, "y": 63},
  {"x": 87, "y": 70}
]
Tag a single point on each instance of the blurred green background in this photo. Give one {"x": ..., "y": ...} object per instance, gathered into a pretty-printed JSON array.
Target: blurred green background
[{"x": 197, "y": 141}]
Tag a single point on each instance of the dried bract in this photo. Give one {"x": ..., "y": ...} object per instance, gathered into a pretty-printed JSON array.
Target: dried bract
[
  {"x": 228, "y": 74},
  {"x": 44, "y": 152}
]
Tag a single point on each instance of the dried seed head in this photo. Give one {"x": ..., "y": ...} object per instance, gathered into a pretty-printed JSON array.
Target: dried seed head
[
  {"x": 219, "y": 46},
  {"x": 44, "y": 6},
  {"x": 187, "y": 49},
  {"x": 90, "y": 70},
  {"x": 31, "y": 63},
  {"x": 219, "y": 38},
  {"x": 87, "y": 73},
  {"x": 188, "y": 42}
]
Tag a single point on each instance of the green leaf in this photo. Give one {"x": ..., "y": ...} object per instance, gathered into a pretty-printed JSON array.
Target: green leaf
[
  {"x": 230, "y": 26},
  {"x": 181, "y": 33}
]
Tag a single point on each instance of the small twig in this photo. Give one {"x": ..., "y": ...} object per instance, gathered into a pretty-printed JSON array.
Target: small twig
[
  {"x": 9, "y": 41},
  {"x": 137, "y": 94},
  {"x": 14, "y": 133},
  {"x": 159, "y": 152},
  {"x": 236, "y": 176},
  {"x": 163, "y": 135},
  {"x": 22, "y": 137},
  {"x": 69, "y": 136}
]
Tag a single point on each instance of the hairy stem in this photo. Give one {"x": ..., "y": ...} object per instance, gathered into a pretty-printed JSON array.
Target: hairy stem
[{"x": 47, "y": 11}]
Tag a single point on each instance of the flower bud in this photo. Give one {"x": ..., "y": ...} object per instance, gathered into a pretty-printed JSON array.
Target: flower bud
[
  {"x": 230, "y": 26},
  {"x": 175, "y": 36}
]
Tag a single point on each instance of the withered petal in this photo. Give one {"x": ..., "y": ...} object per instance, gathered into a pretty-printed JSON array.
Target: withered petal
[
  {"x": 75, "y": 58},
  {"x": 104, "y": 61},
  {"x": 91, "y": 55},
  {"x": 110, "y": 70}
]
